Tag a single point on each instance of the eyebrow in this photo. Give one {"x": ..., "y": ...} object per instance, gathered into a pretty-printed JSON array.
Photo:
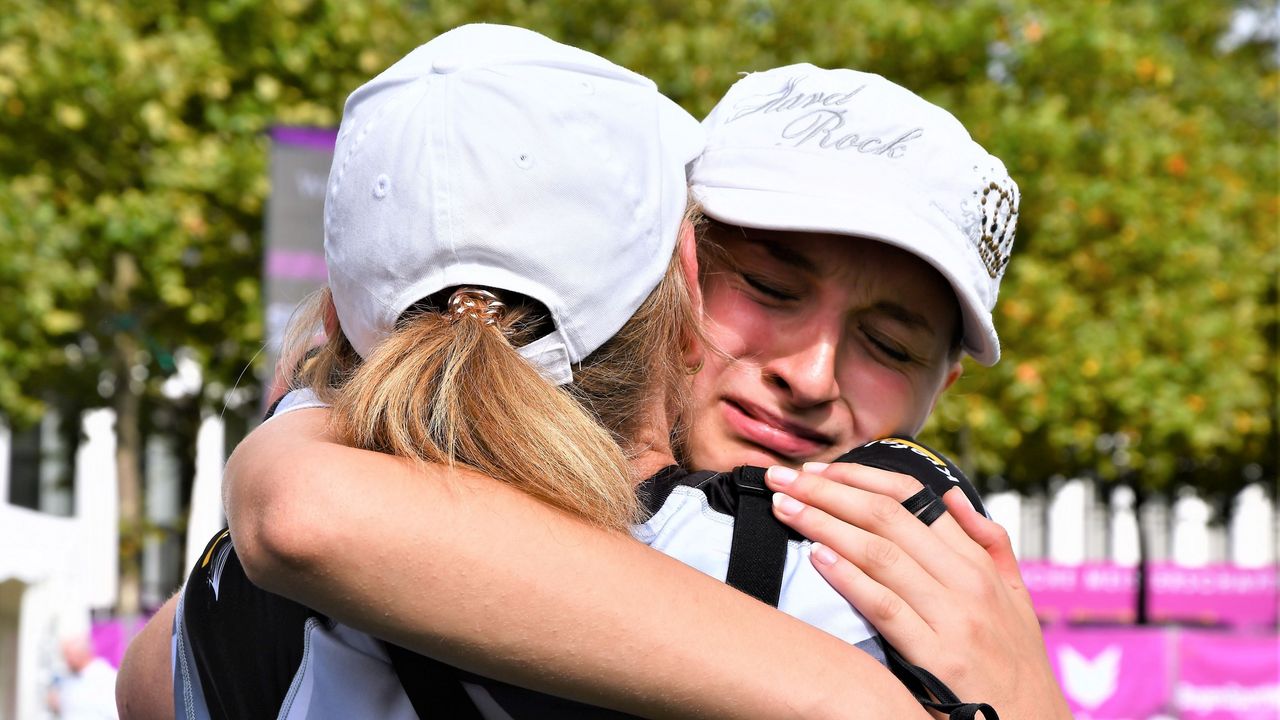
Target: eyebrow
[
  {"x": 903, "y": 314},
  {"x": 800, "y": 261},
  {"x": 784, "y": 254}
]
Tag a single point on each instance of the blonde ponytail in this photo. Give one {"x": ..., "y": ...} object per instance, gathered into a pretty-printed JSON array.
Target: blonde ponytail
[{"x": 455, "y": 391}]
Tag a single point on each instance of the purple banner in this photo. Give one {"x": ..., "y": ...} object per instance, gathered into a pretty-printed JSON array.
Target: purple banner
[
  {"x": 1218, "y": 594},
  {"x": 1115, "y": 674},
  {"x": 1228, "y": 677},
  {"x": 1214, "y": 595},
  {"x": 110, "y": 638},
  {"x": 297, "y": 265},
  {"x": 308, "y": 137}
]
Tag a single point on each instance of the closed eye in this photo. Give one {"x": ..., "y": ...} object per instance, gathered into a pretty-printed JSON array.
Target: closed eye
[
  {"x": 892, "y": 351},
  {"x": 765, "y": 288}
]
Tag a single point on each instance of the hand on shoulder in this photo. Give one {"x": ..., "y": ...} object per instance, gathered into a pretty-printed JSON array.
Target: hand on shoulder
[{"x": 949, "y": 596}]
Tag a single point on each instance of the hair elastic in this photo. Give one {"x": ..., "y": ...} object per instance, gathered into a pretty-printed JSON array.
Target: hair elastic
[
  {"x": 925, "y": 505},
  {"x": 479, "y": 304}
]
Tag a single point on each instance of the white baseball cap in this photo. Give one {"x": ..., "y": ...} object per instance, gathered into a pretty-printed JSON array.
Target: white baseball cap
[
  {"x": 850, "y": 153},
  {"x": 493, "y": 156}
]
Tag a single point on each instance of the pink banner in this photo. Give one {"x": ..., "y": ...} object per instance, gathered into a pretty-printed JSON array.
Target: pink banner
[
  {"x": 1214, "y": 595},
  {"x": 110, "y": 638},
  {"x": 1218, "y": 594},
  {"x": 1114, "y": 674},
  {"x": 1227, "y": 677},
  {"x": 1093, "y": 592}
]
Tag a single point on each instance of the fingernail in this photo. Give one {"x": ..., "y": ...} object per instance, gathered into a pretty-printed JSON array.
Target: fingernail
[
  {"x": 786, "y": 504},
  {"x": 966, "y": 499},
  {"x": 780, "y": 475},
  {"x": 815, "y": 467},
  {"x": 822, "y": 554}
]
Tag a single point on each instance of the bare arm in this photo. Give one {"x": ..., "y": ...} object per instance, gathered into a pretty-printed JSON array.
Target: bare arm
[
  {"x": 475, "y": 573},
  {"x": 144, "y": 687}
]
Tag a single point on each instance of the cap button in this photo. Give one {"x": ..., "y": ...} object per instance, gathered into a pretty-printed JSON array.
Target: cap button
[{"x": 444, "y": 66}]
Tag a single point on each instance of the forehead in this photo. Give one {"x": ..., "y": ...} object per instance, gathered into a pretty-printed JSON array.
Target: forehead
[
  {"x": 823, "y": 254},
  {"x": 861, "y": 267}
]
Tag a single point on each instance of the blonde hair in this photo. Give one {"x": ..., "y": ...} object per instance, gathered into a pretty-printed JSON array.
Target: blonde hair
[{"x": 456, "y": 392}]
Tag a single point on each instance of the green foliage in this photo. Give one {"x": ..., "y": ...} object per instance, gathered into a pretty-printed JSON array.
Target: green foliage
[
  {"x": 1140, "y": 303},
  {"x": 132, "y": 141}
]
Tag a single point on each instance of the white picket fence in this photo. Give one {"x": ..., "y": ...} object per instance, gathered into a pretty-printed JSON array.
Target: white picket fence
[{"x": 59, "y": 565}]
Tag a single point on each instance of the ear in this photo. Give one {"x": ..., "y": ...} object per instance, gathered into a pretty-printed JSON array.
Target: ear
[
  {"x": 687, "y": 252},
  {"x": 331, "y": 325},
  {"x": 953, "y": 374},
  {"x": 687, "y": 249}
]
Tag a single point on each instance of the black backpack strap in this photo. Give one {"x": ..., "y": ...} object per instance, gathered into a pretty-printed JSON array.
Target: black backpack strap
[
  {"x": 931, "y": 692},
  {"x": 271, "y": 411},
  {"x": 759, "y": 550},
  {"x": 433, "y": 687}
]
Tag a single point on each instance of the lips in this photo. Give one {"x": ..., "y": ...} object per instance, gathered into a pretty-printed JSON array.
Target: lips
[{"x": 773, "y": 433}]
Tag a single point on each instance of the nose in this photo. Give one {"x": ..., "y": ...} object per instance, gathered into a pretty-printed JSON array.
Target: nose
[{"x": 808, "y": 374}]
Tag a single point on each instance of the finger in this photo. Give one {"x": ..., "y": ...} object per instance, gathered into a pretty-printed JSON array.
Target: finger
[
  {"x": 877, "y": 510},
  {"x": 988, "y": 535},
  {"x": 944, "y": 550},
  {"x": 896, "y": 485},
  {"x": 900, "y": 487},
  {"x": 889, "y": 613},
  {"x": 957, "y": 537},
  {"x": 881, "y": 559}
]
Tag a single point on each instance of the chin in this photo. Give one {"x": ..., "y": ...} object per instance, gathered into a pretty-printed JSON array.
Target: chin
[{"x": 737, "y": 453}]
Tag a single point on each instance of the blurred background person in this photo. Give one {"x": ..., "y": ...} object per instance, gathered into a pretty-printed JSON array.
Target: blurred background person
[{"x": 87, "y": 690}]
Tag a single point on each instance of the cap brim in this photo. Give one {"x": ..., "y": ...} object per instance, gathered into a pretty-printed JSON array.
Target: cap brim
[{"x": 876, "y": 217}]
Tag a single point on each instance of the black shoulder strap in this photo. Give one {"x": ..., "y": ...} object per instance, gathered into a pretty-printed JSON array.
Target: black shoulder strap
[
  {"x": 433, "y": 687},
  {"x": 271, "y": 411},
  {"x": 759, "y": 549}
]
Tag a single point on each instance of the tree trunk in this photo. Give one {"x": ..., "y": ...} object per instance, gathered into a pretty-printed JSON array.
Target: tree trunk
[
  {"x": 127, "y": 403},
  {"x": 128, "y": 475}
]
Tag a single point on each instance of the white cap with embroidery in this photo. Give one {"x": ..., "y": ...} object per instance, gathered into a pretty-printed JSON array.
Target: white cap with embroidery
[
  {"x": 493, "y": 156},
  {"x": 850, "y": 153}
]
